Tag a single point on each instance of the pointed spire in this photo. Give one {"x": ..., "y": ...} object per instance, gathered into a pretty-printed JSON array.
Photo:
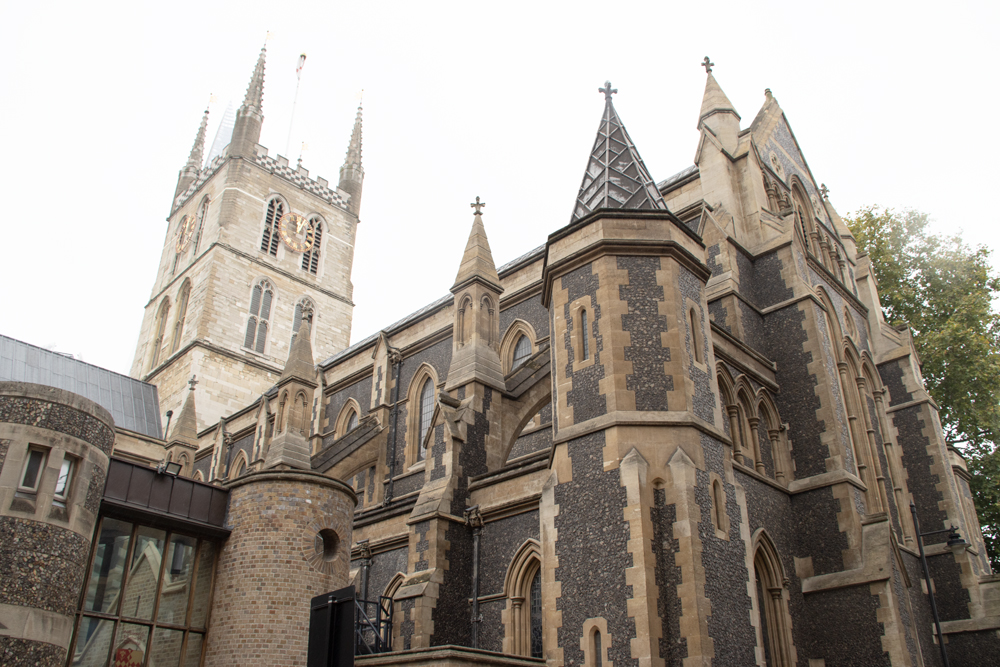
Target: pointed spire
[
  {"x": 191, "y": 168},
  {"x": 616, "y": 176},
  {"x": 353, "y": 159},
  {"x": 255, "y": 91},
  {"x": 715, "y": 101},
  {"x": 186, "y": 427},
  {"x": 477, "y": 262},
  {"x": 197, "y": 155},
  {"x": 250, "y": 116},
  {"x": 300, "y": 362},
  {"x": 352, "y": 174},
  {"x": 718, "y": 114}
]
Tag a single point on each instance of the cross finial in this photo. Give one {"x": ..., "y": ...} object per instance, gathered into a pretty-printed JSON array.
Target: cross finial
[
  {"x": 478, "y": 206},
  {"x": 607, "y": 90},
  {"x": 193, "y": 381},
  {"x": 825, "y": 191},
  {"x": 708, "y": 65}
]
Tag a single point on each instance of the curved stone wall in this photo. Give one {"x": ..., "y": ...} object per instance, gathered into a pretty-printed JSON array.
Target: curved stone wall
[
  {"x": 291, "y": 540},
  {"x": 45, "y": 539}
]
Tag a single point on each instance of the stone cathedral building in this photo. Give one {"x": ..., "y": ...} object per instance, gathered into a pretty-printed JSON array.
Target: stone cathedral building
[{"x": 678, "y": 433}]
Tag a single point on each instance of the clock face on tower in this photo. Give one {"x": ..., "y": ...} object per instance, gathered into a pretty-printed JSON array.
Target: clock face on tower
[
  {"x": 184, "y": 232},
  {"x": 294, "y": 232}
]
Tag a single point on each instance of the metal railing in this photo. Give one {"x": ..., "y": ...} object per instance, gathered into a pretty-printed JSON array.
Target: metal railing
[{"x": 372, "y": 626}]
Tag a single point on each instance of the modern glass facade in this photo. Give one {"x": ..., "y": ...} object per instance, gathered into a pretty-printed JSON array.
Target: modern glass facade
[{"x": 146, "y": 599}]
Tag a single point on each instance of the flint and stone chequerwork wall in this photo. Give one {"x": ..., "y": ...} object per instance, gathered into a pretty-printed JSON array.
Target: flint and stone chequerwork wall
[{"x": 679, "y": 433}]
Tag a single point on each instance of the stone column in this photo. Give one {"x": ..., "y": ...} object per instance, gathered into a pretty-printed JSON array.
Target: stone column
[
  {"x": 291, "y": 540},
  {"x": 46, "y": 525}
]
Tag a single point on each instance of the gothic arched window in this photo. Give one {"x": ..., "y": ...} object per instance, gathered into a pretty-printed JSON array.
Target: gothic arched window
[
  {"x": 161, "y": 325},
  {"x": 198, "y": 225},
  {"x": 352, "y": 421},
  {"x": 182, "y": 304},
  {"x": 426, "y": 413},
  {"x": 269, "y": 241},
  {"x": 521, "y": 351},
  {"x": 772, "y": 600},
  {"x": 314, "y": 234},
  {"x": 535, "y": 614},
  {"x": 258, "y": 319}
]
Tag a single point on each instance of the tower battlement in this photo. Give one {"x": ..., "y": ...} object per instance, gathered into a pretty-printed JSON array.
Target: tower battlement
[{"x": 278, "y": 166}]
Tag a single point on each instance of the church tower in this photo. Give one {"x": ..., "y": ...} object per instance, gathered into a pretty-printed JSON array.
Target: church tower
[{"x": 252, "y": 247}]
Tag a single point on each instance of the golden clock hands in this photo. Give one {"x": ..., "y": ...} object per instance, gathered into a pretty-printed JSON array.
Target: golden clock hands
[{"x": 300, "y": 225}]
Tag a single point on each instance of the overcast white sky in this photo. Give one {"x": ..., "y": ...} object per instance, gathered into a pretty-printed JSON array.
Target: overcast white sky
[{"x": 892, "y": 103}]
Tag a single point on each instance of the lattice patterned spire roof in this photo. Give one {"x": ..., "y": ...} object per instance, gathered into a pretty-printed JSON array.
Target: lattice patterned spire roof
[
  {"x": 616, "y": 176},
  {"x": 255, "y": 91}
]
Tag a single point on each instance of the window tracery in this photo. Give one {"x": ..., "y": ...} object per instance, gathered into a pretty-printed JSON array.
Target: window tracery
[
  {"x": 426, "y": 413},
  {"x": 269, "y": 240},
  {"x": 522, "y": 350},
  {"x": 314, "y": 239},
  {"x": 182, "y": 304},
  {"x": 161, "y": 325},
  {"x": 199, "y": 225},
  {"x": 523, "y": 615},
  {"x": 775, "y": 631},
  {"x": 258, "y": 318}
]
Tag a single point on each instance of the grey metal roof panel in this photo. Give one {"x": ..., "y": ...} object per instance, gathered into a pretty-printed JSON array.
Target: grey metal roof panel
[
  {"x": 392, "y": 328},
  {"x": 134, "y": 405},
  {"x": 681, "y": 175},
  {"x": 416, "y": 315}
]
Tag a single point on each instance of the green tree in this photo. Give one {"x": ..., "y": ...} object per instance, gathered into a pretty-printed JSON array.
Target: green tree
[{"x": 944, "y": 290}]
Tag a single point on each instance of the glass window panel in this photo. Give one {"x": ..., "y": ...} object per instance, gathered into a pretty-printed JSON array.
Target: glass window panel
[
  {"x": 166, "y": 649},
  {"x": 92, "y": 642},
  {"x": 536, "y": 615},
  {"x": 108, "y": 567},
  {"x": 203, "y": 585},
  {"x": 192, "y": 656},
  {"x": 65, "y": 474},
  {"x": 522, "y": 350},
  {"x": 130, "y": 644},
  {"x": 176, "y": 580},
  {"x": 144, "y": 573},
  {"x": 36, "y": 458}
]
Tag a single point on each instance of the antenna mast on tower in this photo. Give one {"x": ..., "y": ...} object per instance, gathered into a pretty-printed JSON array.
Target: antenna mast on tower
[{"x": 298, "y": 77}]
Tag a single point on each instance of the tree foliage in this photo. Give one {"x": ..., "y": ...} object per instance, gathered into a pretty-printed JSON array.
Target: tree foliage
[{"x": 944, "y": 290}]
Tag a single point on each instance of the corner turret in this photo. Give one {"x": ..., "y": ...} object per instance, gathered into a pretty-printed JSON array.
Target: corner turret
[
  {"x": 477, "y": 289},
  {"x": 290, "y": 448}
]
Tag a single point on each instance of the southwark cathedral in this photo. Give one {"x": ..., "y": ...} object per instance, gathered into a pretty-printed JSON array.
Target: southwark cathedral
[{"x": 680, "y": 432}]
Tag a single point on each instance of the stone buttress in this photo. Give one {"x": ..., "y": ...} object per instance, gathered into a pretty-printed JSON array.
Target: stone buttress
[{"x": 638, "y": 429}]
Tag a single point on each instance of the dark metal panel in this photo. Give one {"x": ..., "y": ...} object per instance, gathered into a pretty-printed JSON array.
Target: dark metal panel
[
  {"x": 201, "y": 500},
  {"x": 139, "y": 486},
  {"x": 217, "y": 510},
  {"x": 180, "y": 500},
  {"x": 160, "y": 492},
  {"x": 119, "y": 476}
]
